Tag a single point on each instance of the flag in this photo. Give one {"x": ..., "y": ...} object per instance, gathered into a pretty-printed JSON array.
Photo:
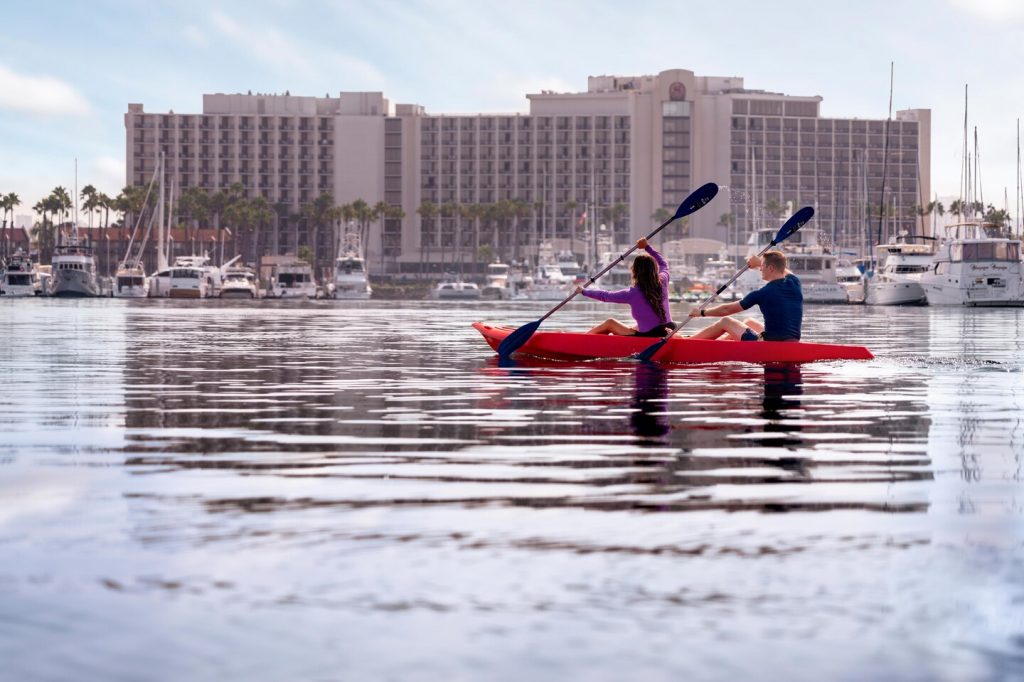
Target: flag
[{"x": 583, "y": 218}]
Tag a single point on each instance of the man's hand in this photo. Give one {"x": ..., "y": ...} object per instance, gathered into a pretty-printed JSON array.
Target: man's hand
[
  {"x": 641, "y": 243},
  {"x": 695, "y": 312},
  {"x": 754, "y": 262}
]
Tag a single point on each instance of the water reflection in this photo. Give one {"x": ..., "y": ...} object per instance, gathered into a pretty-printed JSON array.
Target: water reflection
[
  {"x": 649, "y": 422},
  {"x": 369, "y": 469}
]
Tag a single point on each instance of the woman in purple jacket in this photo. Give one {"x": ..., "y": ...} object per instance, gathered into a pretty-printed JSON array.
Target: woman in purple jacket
[{"x": 647, "y": 298}]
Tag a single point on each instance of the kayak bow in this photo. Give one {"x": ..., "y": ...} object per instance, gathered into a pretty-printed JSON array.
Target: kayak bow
[{"x": 560, "y": 345}]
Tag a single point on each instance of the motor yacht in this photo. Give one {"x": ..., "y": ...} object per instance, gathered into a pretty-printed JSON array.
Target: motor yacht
[
  {"x": 292, "y": 279},
  {"x": 73, "y": 269},
  {"x": 975, "y": 265},
  {"x": 20, "y": 278},
  {"x": 898, "y": 280}
]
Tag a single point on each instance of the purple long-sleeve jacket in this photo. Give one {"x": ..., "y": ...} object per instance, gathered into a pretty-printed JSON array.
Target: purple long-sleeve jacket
[{"x": 645, "y": 316}]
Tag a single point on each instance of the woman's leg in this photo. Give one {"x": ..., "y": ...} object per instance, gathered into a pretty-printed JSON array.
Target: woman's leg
[
  {"x": 728, "y": 326},
  {"x": 611, "y": 326}
]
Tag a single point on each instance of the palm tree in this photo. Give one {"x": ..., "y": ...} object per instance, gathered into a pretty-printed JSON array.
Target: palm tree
[
  {"x": 215, "y": 206},
  {"x": 44, "y": 232},
  {"x": 395, "y": 213},
  {"x": 9, "y": 202},
  {"x": 958, "y": 208},
  {"x": 380, "y": 212},
  {"x": 616, "y": 213},
  {"x": 62, "y": 203},
  {"x": 260, "y": 214},
  {"x": 193, "y": 207},
  {"x": 518, "y": 208},
  {"x": 773, "y": 209},
  {"x": 90, "y": 201},
  {"x": 320, "y": 213},
  {"x": 363, "y": 215},
  {"x": 449, "y": 210},
  {"x": 427, "y": 212},
  {"x": 570, "y": 208}
]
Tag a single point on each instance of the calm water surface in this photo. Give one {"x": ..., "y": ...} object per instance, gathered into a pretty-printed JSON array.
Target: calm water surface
[{"x": 359, "y": 491}]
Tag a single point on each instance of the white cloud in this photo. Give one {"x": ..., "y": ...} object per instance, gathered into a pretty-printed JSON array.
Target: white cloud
[
  {"x": 509, "y": 93},
  {"x": 40, "y": 95},
  {"x": 304, "y": 61},
  {"x": 110, "y": 173},
  {"x": 194, "y": 35},
  {"x": 992, "y": 10}
]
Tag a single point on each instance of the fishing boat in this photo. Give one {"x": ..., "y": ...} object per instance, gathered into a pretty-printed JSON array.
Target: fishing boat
[
  {"x": 975, "y": 265},
  {"x": 350, "y": 278},
  {"x": 73, "y": 269},
  {"x": 20, "y": 277},
  {"x": 564, "y": 345}
]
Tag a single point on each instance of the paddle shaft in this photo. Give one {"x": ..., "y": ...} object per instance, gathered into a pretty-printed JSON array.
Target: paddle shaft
[{"x": 610, "y": 266}]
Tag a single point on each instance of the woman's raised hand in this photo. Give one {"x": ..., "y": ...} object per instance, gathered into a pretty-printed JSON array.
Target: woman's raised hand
[{"x": 641, "y": 243}]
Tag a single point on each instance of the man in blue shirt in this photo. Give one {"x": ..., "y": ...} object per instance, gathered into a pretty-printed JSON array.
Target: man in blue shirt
[{"x": 781, "y": 302}]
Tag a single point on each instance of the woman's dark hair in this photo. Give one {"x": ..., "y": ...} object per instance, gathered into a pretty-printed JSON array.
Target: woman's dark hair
[{"x": 645, "y": 276}]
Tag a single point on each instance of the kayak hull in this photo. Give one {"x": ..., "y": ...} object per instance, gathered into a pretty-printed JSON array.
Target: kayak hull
[{"x": 561, "y": 345}]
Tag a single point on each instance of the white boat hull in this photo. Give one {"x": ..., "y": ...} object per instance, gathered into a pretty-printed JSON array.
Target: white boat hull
[
  {"x": 130, "y": 292},
  {"x": 73, "y": 283},
  {"x": 952, "y": 293},
  {"x": 18, "y": 291},
  {"x": 824, "y": 292},
  {"x": 894, "y": 293},
  {"x": 352, "y": 294}
]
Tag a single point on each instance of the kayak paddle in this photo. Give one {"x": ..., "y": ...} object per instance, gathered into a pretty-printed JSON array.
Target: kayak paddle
[
  {"x": 693, "y": 203},
  {"x": 799, "y": 219}
]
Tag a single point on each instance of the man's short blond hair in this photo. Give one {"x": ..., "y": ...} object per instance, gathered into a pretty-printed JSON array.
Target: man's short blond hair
[{"x": 776, "y": 259}]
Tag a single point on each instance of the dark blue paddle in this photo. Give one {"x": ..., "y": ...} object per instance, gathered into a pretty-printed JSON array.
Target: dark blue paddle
[
  {"x": 799, "y": 219},
  {"x": 693, "y": 203}
]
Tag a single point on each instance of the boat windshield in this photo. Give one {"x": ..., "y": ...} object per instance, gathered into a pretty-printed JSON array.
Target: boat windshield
[
  {"x": 185, "y": 273},
  {"x": 18, "y": 280},
  {"x": 973, "y": 252},
  {"x": 350, "y": 265},
  {"x": 289, "y": 279}
]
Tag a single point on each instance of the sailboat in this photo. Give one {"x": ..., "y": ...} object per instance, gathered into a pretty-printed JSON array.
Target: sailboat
[
  {"x": 976, "y": 263},
  {"x": 130, "y": 279}
]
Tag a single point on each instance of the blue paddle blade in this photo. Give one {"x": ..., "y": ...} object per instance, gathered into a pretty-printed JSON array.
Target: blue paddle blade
[
  {"x": 799, "y": 219},
  {"x": 649, "y": 352},
  {"x": 516, "y": 339},
  {"x": 697, "y": 200}
]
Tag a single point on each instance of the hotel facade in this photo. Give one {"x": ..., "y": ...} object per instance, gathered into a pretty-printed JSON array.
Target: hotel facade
[{"x": 578, "y": 165}]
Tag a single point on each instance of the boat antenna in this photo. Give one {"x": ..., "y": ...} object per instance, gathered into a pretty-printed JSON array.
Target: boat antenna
[
  {"x": 885, "y": 163},
  {"x": 978, "y": 192},
  {"x": 963, "y": 157},
  {"x": 1017, "y": 192}
]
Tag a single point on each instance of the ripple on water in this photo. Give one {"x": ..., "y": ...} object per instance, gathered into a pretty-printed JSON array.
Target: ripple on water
[{"x": 368, "y": 472}]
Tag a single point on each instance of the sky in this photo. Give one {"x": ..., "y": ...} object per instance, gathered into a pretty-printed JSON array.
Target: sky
[{"x": 69, "y": 69}]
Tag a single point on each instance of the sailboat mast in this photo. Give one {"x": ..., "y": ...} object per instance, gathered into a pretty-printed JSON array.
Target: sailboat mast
[
  {"x": 885, "y": 162},
  {"x": 161, "y": 239}
]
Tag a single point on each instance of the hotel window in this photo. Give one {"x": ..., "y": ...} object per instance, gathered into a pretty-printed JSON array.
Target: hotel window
[{"x": 675, "y": 108}]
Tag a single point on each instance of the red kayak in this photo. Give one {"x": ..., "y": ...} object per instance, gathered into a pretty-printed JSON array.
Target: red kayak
[{"x": 559, "y": 345}]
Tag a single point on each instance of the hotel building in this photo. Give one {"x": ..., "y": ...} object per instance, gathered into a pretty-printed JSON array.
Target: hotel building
[{"x": 618, "y": 152}]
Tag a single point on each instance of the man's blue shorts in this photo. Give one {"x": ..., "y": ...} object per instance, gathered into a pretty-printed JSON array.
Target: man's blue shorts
[{"x": 749, "y": 335}]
